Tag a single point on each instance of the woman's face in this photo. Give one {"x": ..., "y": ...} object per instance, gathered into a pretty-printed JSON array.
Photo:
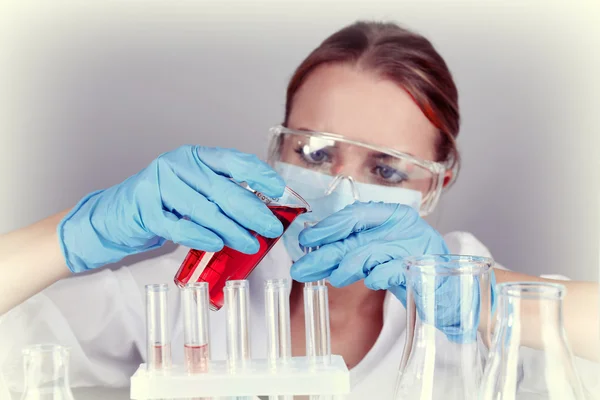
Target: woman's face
[{"x": 360, "y": 106}]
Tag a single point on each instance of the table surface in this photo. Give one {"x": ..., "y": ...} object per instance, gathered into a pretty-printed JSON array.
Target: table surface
[
  {"x": 94, "y": 393},
  {"x": 100, "y": 393}
]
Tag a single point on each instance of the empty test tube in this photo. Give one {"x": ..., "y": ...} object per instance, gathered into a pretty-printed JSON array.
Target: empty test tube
[
  {"x": 316, "y": 314},
  {"x": 158, "y": 337},
  {"x": 279, "y": 338},
  {"x": 195, "y": 303},
  {"x": 277, "y": 312},
  {"x": 237, "y": 304}
]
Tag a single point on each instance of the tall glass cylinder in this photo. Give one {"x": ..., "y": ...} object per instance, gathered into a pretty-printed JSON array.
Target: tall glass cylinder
[
  {"x": 316, "y": 321},
  {"x": 46, "y": 373},
  {"x": 195, "y": 303},
  {"x": 237, "y": 304},
  {"x": 158, "y": 335},
  {"x": 279, "y": 339},
  {"x": 277, "y": 313},
  {"x": 530, "y": 315},
  {"x": 448, "y": 301}
]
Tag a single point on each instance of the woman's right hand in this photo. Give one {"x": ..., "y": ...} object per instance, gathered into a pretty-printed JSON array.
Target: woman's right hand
[{"x": 185, "y": 196}]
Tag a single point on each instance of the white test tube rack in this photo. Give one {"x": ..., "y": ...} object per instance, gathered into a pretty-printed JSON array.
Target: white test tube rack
[{"x": 287, "y": 376}]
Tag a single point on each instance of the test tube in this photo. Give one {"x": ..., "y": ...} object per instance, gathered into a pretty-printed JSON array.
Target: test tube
[
  {"x": 237, "y": 303},
  {"x": 316, "y": 320},
  {"x": 307, "y": 250},
  {"x": 195, "y": 303},
  {"x": 277, "y": 312},
  {"x": 158, "y": 337},
  {"x": 279, "y": 338}
]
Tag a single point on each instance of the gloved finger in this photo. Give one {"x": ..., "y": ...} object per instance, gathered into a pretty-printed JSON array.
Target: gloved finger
[
  {"x": 311, "y": 276},
  {"x": 352, "y": 219},
  {"x": 400, "y": 293},
  {"x": 188, "y": 233},
  {"x": 389, "y": 276},
  {"x": 319, "y": 263},
  {"x": 237, "y": 203},
  {"x": 179, "y": 197},
  {"x": 386, "y": 276},
  {"x": 245, "y": 208},
  {"x": 242, "y": 167},
  {"x": 406, "y": 231},
  {"x": 360, "y": 262}
]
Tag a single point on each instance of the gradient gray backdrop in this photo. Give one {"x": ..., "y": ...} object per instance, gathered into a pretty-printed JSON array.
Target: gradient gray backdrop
[{"x": 90, "y": 95}]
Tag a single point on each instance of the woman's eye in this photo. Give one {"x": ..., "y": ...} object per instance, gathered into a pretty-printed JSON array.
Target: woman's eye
[
  {"x": 390, "y": 174},
  {"x": 313, "y": 157}
]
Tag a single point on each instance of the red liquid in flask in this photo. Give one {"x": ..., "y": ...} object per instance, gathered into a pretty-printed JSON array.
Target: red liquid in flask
[{"x": 229, "y": 264}]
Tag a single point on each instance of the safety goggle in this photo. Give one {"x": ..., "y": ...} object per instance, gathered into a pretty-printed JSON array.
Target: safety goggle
[{"x": 335, "y": 156}]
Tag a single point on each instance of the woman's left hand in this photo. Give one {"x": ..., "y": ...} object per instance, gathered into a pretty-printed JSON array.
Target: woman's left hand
[{"x": 367, "y": 241}]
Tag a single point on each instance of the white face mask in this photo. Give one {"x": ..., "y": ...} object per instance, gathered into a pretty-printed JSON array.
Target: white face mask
[{"x": 314, "y": 186}]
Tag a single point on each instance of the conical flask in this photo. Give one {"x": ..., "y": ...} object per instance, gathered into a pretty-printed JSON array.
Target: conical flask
[
  {"x": 4, "y": 392},
  {"x": 448, "y": 309},
  {"x": 517, "y": 329},
  {"x": 46, "y": 373}
]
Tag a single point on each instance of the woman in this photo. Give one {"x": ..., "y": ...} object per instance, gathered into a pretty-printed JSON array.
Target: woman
[{"x": 371, "y": 115}]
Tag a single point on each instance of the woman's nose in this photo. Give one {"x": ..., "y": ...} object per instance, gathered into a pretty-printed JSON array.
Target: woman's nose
[{"x": 346, "y": 168}]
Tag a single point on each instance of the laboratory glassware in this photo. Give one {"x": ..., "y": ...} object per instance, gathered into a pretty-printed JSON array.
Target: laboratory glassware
[
  {"x": 46, "y": 373},
  {"x": 448, "y": 301},
  {"x": 237, "y": 305},
  {"x": 4, "y": 392},
  {"x": 277, "y": 313},
  {"x": 158, "y": 335},
  {"x": 316, "y": 321},
  {"x": 279, "y": 377},
  {"x": 195, "y": 304},
  {"x": 228, "y": 264},
  {"x": 530, "y": 314}
]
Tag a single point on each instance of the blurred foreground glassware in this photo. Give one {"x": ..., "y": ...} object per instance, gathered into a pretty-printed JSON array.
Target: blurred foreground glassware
[
  {"x": 557, "y": 376},
  {"x": 448, "y": 303},
  {"x": 4, "y": 392},
  {"x": 46, "y": 373}
]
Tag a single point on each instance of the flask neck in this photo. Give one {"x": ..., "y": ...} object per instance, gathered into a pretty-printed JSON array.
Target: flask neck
[
  {"x": 531, "y": 319},
  {"x": 46, "y": 369}
]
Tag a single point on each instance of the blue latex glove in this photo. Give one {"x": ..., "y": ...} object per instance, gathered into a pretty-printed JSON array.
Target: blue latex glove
[
  {"x": 184, "y": 196},
  {"x": 369, "y": 241}
]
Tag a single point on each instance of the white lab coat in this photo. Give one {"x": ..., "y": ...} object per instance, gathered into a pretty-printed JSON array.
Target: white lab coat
[{"x": 101, "y": 317}]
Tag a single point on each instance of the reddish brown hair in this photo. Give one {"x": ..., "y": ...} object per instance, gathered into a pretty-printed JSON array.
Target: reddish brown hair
[{"x": 402, "y": 56}]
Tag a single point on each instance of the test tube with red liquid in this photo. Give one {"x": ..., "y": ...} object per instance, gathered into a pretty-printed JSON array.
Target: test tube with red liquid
[
  {"x": 194, "y": 299},
  {"x": 228, "y": 264},
  {"x": 158, "y": 337}
]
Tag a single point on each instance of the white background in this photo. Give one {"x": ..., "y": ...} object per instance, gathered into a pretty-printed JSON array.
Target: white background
[{"x": 90, "y": 95}]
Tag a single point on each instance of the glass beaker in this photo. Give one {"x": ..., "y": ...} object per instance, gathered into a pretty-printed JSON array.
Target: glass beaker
[
  {"x": 228, "y": 264},
  {"x": 46, "y": 373},
  {"x": 448, "y": 303},
  {"x": 530, "y": 316}
]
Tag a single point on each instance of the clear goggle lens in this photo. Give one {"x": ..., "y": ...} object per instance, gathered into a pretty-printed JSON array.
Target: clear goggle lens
[{"x": 333, "y": 155}]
